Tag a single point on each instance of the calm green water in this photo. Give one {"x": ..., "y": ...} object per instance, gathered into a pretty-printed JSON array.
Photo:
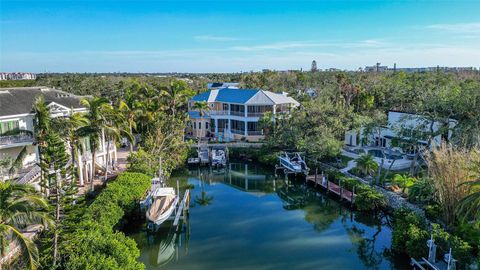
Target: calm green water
[{"x": 244, "y": 218}]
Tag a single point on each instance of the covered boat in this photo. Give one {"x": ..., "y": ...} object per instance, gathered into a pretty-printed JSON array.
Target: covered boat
[{"x": 162, "y": 204}]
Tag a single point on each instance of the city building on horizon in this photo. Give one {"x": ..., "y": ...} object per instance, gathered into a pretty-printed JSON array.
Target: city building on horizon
[
  {"x": 379, "y": 68},
  {"x": 4, "y": 76}
]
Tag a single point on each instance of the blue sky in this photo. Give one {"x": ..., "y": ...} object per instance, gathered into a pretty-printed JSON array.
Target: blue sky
[{"x": 231, "y": 36}]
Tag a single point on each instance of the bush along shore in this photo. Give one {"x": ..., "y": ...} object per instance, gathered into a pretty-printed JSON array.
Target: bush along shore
[{"x": 94, "y": 241}]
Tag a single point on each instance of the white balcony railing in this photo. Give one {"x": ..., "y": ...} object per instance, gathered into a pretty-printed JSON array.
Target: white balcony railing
[
  {"x": 213, "y": 112},
  {"x": 255, "y": 132},
  {"x": 256, "y": 114},
  {"x": 19, "y": 138},
  {"x": 238, "y": 131},
  {"x": 237, "y": 113}
]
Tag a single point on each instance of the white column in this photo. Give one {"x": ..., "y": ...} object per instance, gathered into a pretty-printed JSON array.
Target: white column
[
  {"x": 246, "y": 129},
  {"x": 216, "y": 126},
  {"x": 246, "y": 111},
  {"x": 80, "y": 168}
]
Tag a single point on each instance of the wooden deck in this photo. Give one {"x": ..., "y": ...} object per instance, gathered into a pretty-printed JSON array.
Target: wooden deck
[{"x": 320, "y": 180}]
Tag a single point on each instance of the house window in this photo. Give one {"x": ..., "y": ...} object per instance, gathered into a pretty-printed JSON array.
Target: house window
[
  {"x": 206, "y": 125},
  {"x": 195, "y": 125},
  {"x": 225, "y": 106},
  {"x": 8, "y": 126},
  {"x": 199, "y": 125}
]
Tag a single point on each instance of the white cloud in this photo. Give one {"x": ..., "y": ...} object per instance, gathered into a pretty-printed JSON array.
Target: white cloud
[
  {"x": 214, "y": 38},
  {"x": 457, "y": 27}
]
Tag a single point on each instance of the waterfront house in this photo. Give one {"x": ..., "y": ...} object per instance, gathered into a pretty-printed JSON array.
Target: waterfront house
[
  {"x": 17, "y": 132},
  {"x": 234, "y": 114},
  {"x": 403, "y": 126}
]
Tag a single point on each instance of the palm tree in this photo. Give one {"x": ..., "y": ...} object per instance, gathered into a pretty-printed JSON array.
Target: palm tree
[
  {"x": 469, "y": 207},
  {"x": 201, "y": 106},
  {"x": 366, "y": 164},
  {"x": 68, "y": 128},
  {"x": 130, "y": 116},
  {"x": 97, "y": 108},
  {"x": 176, "y": 94},
  {"x": 20, "y": 207},
  {"x": 115, "y": 128},
  {"x": 404, "y": 181}
]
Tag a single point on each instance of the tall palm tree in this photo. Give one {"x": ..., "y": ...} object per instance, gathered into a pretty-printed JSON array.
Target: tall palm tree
[
  {"x": 367, "y": 164},
  {"x": 201, "y": 106},
  {"x": 20, "y": 207},
  {"x": 68, "y": 128},
  {"x": 176, "y": 94},
  {"x": 115, "y": 128},
  {"x": 130, "y": 116},
  {"x": 96, "y": 115}
]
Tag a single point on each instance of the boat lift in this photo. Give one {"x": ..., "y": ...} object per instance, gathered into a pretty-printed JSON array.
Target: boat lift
[
  {"x": 180, "y": 212},
  {"x": 292, "y": 163},
  {"x": 448, "y": 262}
]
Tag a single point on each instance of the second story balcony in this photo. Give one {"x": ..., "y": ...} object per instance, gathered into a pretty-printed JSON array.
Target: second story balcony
[{"x": 20, "y": 139}]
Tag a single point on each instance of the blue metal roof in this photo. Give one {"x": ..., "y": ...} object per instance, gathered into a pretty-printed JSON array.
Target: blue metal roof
[
  {"x": 235, "y": 95},
  {"x": 202, "y": 96},
  {"x": 228, "y": 95}
]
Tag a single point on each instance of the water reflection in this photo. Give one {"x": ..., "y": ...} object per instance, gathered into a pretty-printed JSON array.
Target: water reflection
[{"x": 242, "y": 217}]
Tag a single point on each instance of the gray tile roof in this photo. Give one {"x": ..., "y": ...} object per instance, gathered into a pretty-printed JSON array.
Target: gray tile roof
[{"x": 20, "y": 100}]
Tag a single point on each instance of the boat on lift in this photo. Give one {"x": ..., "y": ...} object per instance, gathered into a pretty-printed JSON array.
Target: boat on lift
[
  {"x": 293, "y": 163},
  {"x": 162, "y": 204},
  {"x": 160, "y": 201},
  {"x": 219, "y": 156}
]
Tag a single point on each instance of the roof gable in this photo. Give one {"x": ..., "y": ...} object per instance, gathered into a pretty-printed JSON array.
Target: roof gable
[{"x": 260, "y": 98}]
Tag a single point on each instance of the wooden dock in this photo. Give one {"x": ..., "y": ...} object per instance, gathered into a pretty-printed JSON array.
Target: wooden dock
[{"x": 321, "y": 180}]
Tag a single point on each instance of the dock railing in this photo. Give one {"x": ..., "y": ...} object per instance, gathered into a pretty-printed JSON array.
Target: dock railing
[{"x": 322, "y": 181}]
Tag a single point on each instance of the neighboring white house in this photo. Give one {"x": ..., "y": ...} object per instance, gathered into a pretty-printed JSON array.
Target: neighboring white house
[
  {"x": 234, "y": 113},
  {"x": 413, "y": 126},
  {"x": 216, "y": 86},
  {"x": 16, "y": 125}
]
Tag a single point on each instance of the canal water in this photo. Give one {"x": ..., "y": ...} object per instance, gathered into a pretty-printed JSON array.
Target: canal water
[{"x": 242, "y": 217}]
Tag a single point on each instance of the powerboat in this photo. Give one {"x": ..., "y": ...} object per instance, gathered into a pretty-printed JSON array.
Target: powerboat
[
  {"x": 219, "y": 157},
  {"x": 160, "y": 204},
  {"x": 293, "y": 163}
]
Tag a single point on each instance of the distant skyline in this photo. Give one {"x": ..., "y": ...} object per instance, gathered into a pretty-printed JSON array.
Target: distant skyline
[{"x": 234, "y": 36}]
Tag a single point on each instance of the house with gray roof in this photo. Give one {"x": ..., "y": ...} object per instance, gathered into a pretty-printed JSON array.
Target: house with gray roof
[
  {"x": 234, "y": 113},
  {"x": 17, "y": 133}
]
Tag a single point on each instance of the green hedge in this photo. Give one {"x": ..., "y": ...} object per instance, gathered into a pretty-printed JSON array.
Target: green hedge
[
  {"x": 94, "y": 244},
  {"x": 119, "y": 198}
]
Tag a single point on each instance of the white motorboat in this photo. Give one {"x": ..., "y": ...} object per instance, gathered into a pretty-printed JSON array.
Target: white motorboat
[
  {"x": 161, "y": 204},
  {"x": 293, "y": 162},
  {"x": 219, "y": 157}
]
